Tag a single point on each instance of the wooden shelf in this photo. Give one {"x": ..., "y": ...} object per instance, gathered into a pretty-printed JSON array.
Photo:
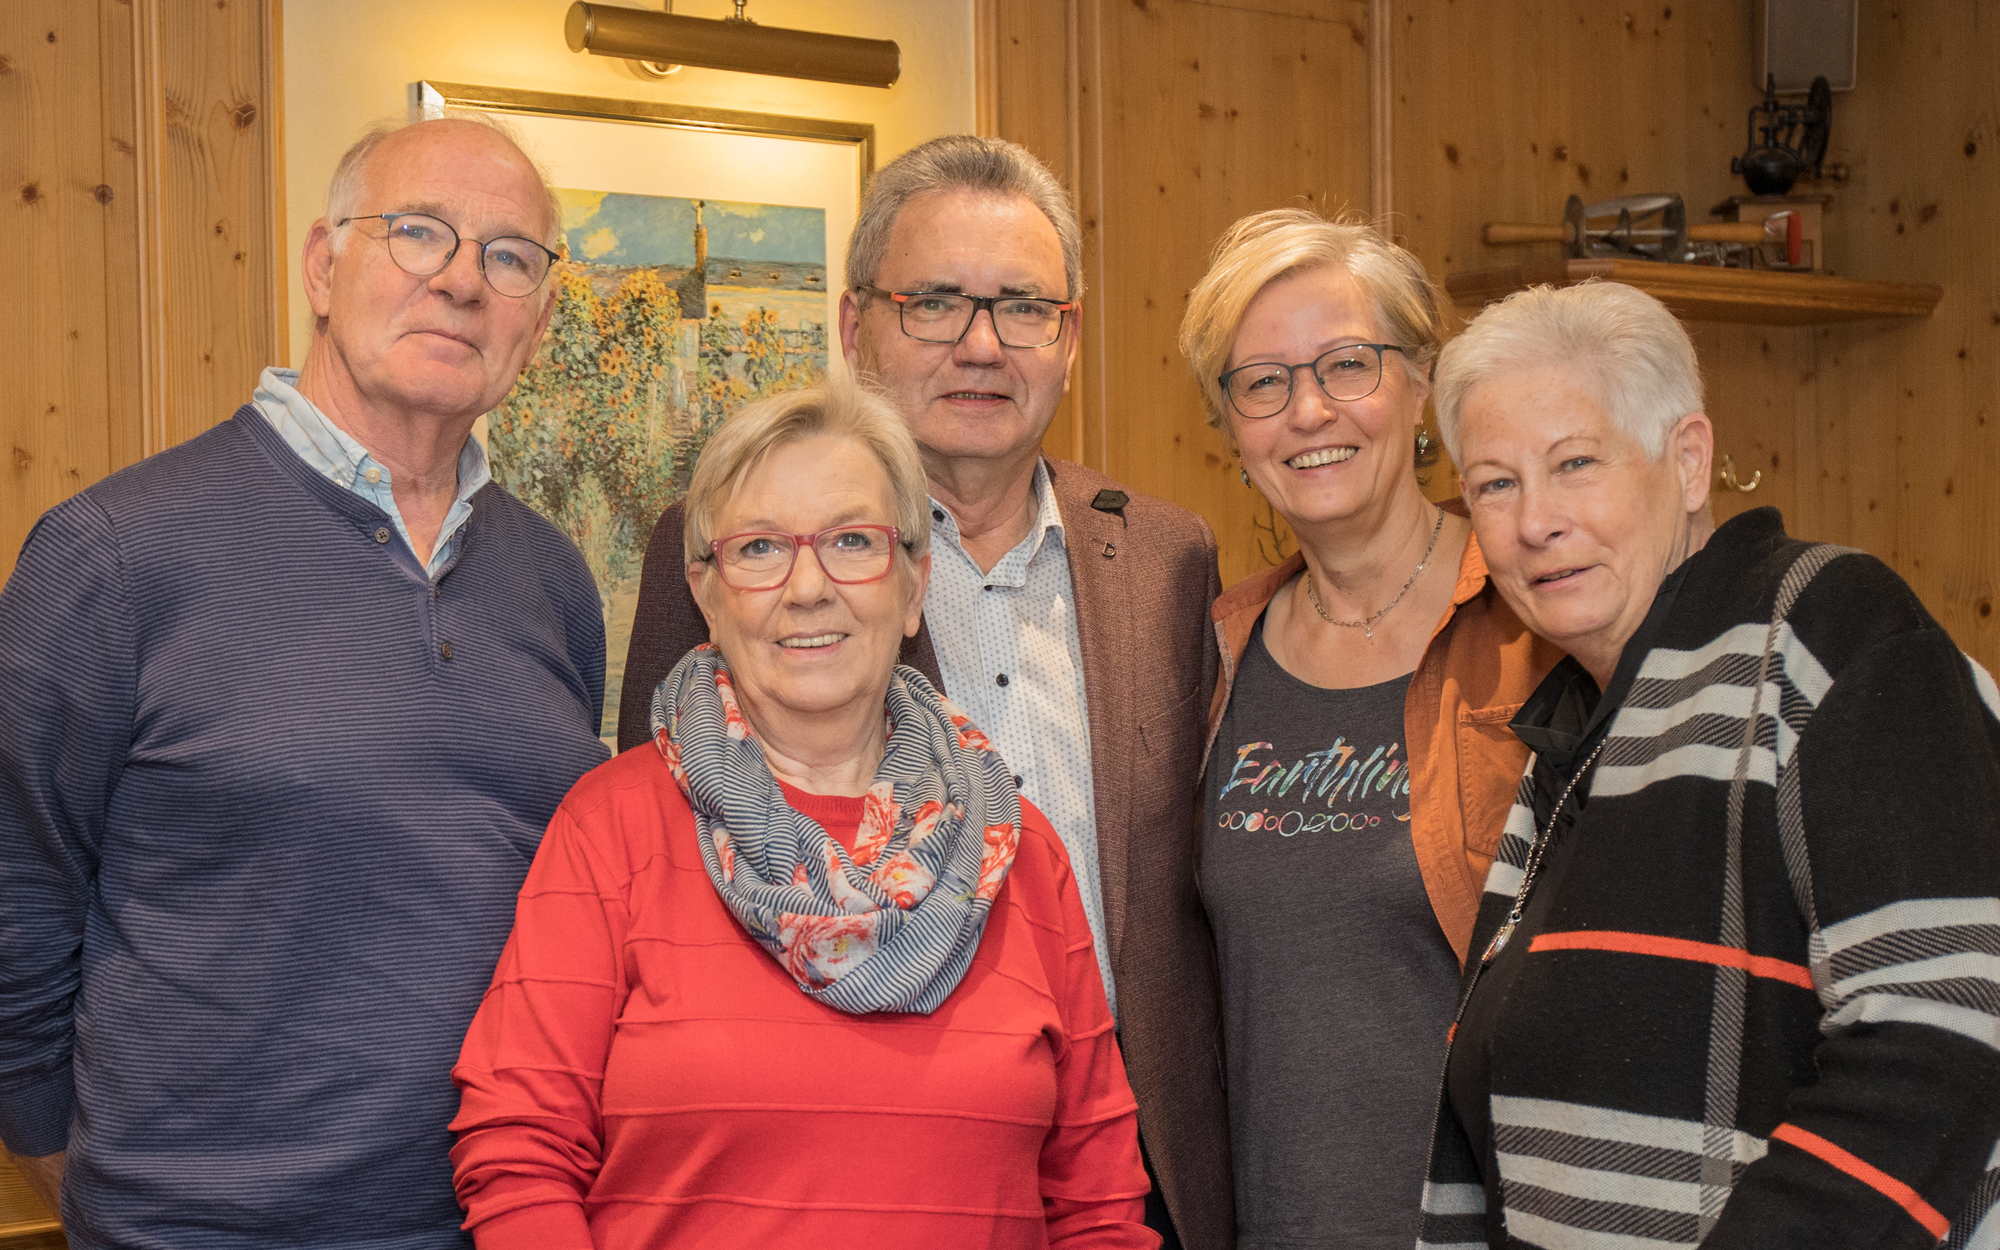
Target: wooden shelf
[{"x": 1706, "y": 293}]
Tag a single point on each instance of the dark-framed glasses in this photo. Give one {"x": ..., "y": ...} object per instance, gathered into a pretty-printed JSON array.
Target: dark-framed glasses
[
  {"x": 422, "y": 245},
  {"x": 1346, "y": 373},
  {"x": 848, "y": 554},
  {"x": 945, "y": 316}
]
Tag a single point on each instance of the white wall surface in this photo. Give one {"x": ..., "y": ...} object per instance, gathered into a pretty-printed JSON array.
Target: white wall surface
[{"x": 348, "y": 63}]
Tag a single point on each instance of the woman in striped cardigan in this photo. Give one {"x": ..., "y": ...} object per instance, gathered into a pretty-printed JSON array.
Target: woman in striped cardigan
[{"x": 1736, "y": 979}]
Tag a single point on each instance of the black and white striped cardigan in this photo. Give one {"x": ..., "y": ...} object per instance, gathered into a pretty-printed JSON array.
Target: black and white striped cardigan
[{"x": 1762, "y": 1008}]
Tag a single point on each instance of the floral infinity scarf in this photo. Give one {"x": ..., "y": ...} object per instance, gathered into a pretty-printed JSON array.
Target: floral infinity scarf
[{"x": 891, "y": 927}]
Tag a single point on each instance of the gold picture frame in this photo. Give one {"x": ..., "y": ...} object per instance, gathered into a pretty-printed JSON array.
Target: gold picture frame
[
  {"x": 703, "y": 251},
  {"x": 434, "y": 96}
]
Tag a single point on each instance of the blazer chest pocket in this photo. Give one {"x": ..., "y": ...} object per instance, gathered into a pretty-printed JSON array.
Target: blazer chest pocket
[{"x": 1490, "y": 762}]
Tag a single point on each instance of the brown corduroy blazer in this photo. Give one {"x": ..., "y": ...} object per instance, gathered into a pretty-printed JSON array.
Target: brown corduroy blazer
[{"x": 1144, "y": 573}]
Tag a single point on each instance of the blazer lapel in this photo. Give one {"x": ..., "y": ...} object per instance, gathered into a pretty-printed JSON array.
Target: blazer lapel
[
  {"x": 1097, "y": 576},
  {"x": 920, "y": 654}
]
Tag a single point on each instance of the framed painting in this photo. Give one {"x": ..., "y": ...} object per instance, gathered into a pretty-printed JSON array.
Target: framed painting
[{"x": 703, "y": 254}]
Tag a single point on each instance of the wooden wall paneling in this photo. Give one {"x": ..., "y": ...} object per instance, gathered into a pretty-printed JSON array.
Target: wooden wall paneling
[
  {"x": 25, "y": 1224},
  {"x": 68, "y": 419},
  {"x": 1029, "y": 50},
  {"x": 217, "y": 232},
  {"x": 1175, "y": 118},
  {"x": 1917, "y": 406},
  {"x": 138, "y": 143},
  {"x": 1755, "y": 376},
  {"x": 1208, "y": 113},
  {"x": 1504, "y": 110}
]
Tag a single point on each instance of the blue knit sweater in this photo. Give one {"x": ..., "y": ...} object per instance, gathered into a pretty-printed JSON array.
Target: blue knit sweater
[{"x": 266, "y": 797}]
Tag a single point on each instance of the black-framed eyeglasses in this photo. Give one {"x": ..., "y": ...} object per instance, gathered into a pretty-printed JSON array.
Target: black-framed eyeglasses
[
  {"x": 945, "y": 316},
  {"x": 1346, "y": 373},
  {"x": 422, "y": 245},
  {"x": 849, "y": 554}
]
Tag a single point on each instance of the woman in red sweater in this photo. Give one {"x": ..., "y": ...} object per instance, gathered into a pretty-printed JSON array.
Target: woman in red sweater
[{"x": 811, "y": 973}]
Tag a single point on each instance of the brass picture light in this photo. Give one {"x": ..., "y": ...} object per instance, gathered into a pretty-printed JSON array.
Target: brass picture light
[{"x": 732, "y": 43}]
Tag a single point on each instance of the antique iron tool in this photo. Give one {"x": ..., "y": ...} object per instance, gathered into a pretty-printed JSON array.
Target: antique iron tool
[
  {"x": 1788, "y": 141},
  {"x": 1632, "y": 227}
]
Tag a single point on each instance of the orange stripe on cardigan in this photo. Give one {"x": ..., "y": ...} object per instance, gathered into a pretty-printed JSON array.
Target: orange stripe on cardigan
[
  {"x": 1868, "y": 1174},
  {"x": 1674, "y": 948}
]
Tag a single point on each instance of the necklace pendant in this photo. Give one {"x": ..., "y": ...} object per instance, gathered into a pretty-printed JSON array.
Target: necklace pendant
[
  {"x": 1498, "y": 944},
  {"x": 1367, "y": 632}
]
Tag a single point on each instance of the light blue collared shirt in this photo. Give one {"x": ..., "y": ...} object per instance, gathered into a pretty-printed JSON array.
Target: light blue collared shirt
[
  {"x": 1008, "y": 651},
  {"x": 331, "y": 452}
]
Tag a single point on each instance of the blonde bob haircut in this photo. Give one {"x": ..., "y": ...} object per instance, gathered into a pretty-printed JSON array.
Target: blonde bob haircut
[
  {"x": 1264, "y": 247},
  {"x": 838, "y": 407},
  {"x": 1636, "y": 355}
]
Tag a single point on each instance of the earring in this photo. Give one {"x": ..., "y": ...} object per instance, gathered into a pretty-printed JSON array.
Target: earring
[
  {"x": 1245, "y": 475},
  {"x": 1424, "y": 443}
]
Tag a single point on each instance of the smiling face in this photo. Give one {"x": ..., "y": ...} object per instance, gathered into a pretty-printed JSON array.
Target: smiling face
[
  {"x": 449, "y": 344},
  {"x": 974, "y": 399},
  {"x": 811, "y": 647},
  {"x": 1579, "y": 526},
  {"x": 1323, "y": 461}
]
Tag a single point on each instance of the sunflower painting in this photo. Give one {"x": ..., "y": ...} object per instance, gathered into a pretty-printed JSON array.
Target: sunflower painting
[{"x": 670, "y": 314}]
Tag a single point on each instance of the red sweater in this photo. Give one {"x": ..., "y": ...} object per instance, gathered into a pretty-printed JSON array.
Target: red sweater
[{"x": 642, "y": 1074}]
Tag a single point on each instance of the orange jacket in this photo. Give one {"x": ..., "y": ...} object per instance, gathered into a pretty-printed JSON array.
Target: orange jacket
[{"x": 1465, "y": 763}]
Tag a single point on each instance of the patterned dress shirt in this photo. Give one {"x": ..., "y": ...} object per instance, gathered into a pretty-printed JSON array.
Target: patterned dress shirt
[
  {"x": 1007, "y": 648},
  {"x": 330, "y": 451}
]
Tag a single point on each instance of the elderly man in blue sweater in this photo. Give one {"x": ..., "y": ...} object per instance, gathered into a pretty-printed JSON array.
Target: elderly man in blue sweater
[{"x": 283, "y": 714}]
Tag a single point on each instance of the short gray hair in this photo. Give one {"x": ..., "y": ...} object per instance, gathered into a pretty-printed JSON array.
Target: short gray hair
[
  {"x": 961, "y": 163},
  {"x": 1627, "y": 342},
  {"x": 839, "y": 407},
  {"x": 343, "y": 192}
]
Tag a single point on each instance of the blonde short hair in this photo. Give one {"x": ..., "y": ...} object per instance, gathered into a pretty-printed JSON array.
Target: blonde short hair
[
  {"x": 838, "y": 407},
  {"x": 1626, "y": 342},
  {"x": 1264, "y": 247}
]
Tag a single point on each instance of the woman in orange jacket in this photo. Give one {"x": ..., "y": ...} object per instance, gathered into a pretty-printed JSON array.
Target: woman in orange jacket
[{"x": 1360, "y": 764}]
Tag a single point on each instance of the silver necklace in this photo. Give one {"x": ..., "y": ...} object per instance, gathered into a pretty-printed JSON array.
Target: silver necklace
[
  {"x": 1367, "y": 624},
  {"x": 1506, "y": 931}
]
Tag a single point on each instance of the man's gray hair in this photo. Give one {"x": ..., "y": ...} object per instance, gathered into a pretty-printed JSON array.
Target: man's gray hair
[
  {"x": 343, "y": 193},
  {"x": 1625, "y": 341},
  {"x": 961, "y": 163}
]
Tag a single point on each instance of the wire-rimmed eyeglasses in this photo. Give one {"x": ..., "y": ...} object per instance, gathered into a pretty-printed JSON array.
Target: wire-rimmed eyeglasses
[
  {"x": 945, "y": 316},
  {"x": 1346, "y": 373},
  {"x": 849, "y": 554},
  {"x": 421, "y": 245}
]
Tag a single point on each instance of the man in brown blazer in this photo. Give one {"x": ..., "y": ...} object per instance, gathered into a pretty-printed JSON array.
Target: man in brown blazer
[{"x": 1066, "y": 615}]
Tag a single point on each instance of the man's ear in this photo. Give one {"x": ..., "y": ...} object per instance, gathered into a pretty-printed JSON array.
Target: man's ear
[
  {"x": 850, "y": 325},
  {"x": 1692, "y": 445},
  {"x": 913, "y": 611},
  {"x": 316, "y": 268},
  {"x": 1075, "y": 336},
  {"x": 698, "y": 573}
]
